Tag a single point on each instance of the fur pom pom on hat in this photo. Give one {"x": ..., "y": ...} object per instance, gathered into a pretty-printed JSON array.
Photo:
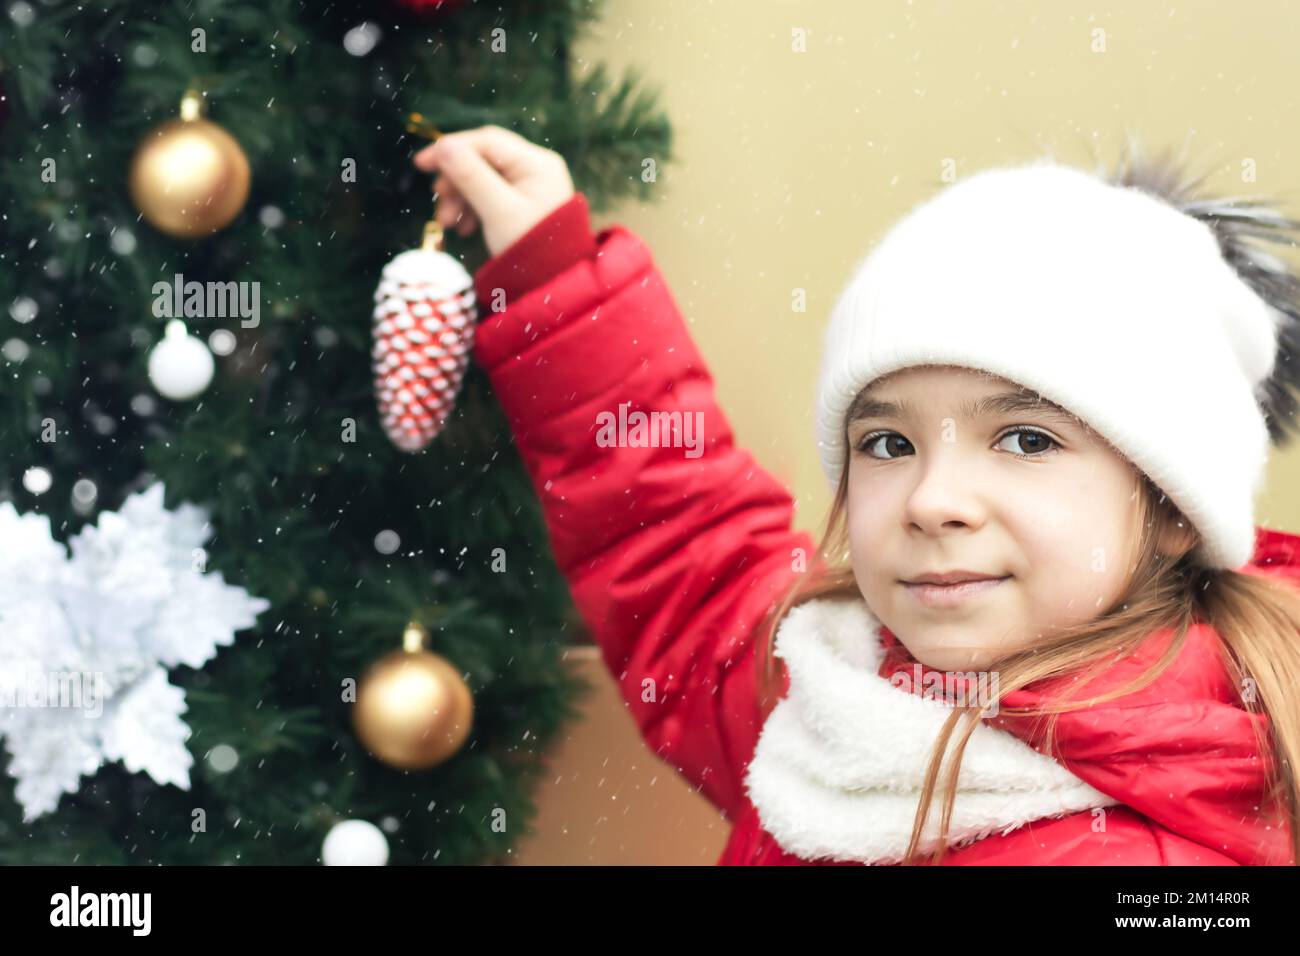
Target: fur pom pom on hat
[{"x": 1148, "y": 312}]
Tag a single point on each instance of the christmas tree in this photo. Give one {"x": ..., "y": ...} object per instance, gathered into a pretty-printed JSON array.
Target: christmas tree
[{"x": 247, "y": 544}]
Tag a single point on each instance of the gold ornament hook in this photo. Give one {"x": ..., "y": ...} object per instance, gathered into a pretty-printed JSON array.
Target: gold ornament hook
[
  {"x": 416, "y": 123},
  {"x": 433, "y": 234},
  {"x": 192, "y": 105},
  {"x": 415, "y": 638}
]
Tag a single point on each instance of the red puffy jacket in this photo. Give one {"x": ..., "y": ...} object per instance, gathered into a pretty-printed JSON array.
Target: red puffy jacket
[{"x": 674, "y": 559}]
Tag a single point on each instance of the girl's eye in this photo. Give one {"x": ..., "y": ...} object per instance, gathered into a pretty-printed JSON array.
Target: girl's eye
[
  {"x": 866, "y": 444},
  {"x": 1039, "y": 443},
  {"x": 1035, "y": 444}
]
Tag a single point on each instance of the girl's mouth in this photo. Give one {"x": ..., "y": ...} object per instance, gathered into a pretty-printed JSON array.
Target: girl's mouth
[{"x": 951, "y": 595}]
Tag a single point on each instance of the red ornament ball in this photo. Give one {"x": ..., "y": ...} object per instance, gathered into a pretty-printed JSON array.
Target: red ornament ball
[{"x": 432, "y": 6}]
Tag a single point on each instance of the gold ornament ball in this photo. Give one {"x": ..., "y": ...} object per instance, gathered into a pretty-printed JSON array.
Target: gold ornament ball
[
  {"x": 189, "y": 178},
  {"x": 413, "y": 710}
]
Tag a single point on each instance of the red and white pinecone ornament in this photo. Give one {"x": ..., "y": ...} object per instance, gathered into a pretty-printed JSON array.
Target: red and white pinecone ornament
[{"x": 424, "y": 332}]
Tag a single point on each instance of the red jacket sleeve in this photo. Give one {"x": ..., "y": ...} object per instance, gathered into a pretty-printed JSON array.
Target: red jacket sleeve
[{"x": 674, "y": 549}]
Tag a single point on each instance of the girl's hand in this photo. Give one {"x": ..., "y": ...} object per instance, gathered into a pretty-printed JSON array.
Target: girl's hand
[{"x": 494, "y": 176}]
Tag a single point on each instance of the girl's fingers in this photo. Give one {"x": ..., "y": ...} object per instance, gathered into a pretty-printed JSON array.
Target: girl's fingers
[
  {"x": 453, "y": 212},
  {"x": 451, "y": 204},
  {"x": 467, "y": 224},
  {"x": 424, "y": 159},
  {"x": 505, "y": 150},
  {"x": 463, "y": 158},
  {"x": 491, "y": 177}
]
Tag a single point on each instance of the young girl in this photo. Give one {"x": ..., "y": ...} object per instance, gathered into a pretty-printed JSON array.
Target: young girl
[{"x": 1040, "y": 626}]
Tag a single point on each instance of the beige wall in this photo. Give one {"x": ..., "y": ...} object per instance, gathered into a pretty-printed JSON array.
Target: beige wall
[{"x": 789, "y": 165}]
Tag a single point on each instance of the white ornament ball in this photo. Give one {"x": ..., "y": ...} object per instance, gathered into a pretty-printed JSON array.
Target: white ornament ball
[
  {"x": 180, "y": 366},
  {"x": 355, "y": 843}
]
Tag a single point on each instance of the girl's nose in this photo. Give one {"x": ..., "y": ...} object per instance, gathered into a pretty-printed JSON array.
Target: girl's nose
[{"x": 945, "y": 497}]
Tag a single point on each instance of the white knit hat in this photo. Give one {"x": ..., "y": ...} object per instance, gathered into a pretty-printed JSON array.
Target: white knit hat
[{"x": 1106, "y": 299}]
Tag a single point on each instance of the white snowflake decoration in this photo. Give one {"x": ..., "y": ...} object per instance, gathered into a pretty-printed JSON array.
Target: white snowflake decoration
[{"x": 86, "y": 641}]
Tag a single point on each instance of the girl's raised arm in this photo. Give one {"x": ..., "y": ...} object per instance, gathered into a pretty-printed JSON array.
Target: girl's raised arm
[{"x": 674, "y": 548}]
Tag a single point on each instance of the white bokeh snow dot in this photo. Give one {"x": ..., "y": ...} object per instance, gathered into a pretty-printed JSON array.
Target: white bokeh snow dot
[
  {"x": 84, "y": 492},
  {"x": 387, "y": 541},
  {"x": 122, "y": 241},
  {"x": 143, "y": 404},
  {"x": 361, "y": 39},
  {"x": 221, "y": 341},
  {"x": 23, "y": 309},
  {"x": 222, "y": 758},
  {"x": 272, "y": 217},
  {"x": 22, "y": 13},
  {"x": 37, "y": 480}
]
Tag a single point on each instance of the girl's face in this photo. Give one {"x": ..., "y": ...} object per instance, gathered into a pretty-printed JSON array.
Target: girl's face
[{"x": 952, "y": 469}]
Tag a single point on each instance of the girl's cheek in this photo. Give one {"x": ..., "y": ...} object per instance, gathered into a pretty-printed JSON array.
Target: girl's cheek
[
  {"x": 870, "y": 546},
  {"x": 862, "y": 534}
]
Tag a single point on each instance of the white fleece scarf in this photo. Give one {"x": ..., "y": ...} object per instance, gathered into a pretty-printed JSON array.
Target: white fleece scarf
[{"x": 839, "y": 764}]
